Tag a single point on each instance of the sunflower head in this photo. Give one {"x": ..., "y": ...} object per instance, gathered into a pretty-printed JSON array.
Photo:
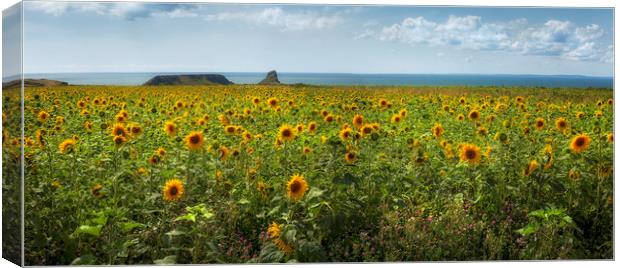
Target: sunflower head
[
  {"x": 170, "y": 128},
  {"x": 135, "y": 130},
  {"x": 358, "y": 120},
  {"x": 610, "y": 137},
  {"x": 286, "y": 133},
  {"x": 350, "y": 157},
  {"x": 580, "y": 143},
  {"x": 194, "y": 140},
  {"x": 173, "y": 190},
  {"x": 539, "y": 123},
  {"x": 474, "y": 115},
  {"x": 396, "y": 118},
  {"x": 296, "y": 187},
  {"x": 329, "y": 118},
  {"x": 273, "y": 102},
  {"x": 345, "y": 133},
  {"x": 67, "y": 146},
  {"x": 437, "y": 130},
  {"x": 561, "y": 124},
  {"x": 470, "y": 153},
  {"x": 119, "y": 140},
  {"x": 118, "y": 130},
  {"x": 312, "y": 127},
  {"x": 96, "y": 190},
  {"x": 43, "y": 116}
]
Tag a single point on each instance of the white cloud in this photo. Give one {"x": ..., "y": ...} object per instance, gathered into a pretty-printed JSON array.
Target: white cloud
[
  {"x": 553, "y": 38},
  {"x": 125, "y": 10},
  {"x": 277, "y": 17}
]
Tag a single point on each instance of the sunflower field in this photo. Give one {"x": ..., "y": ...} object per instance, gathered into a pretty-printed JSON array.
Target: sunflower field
[{"x": 247, "y": 173}]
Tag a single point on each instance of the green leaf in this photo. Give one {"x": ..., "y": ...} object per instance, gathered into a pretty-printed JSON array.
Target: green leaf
[
  {"x": 128, "y": 226},
  {"x": 87, "y": 229},
  {"x": 172, "y": 259},
  {"x": 529, "y": 229},
  {"x": 187, "y": 217}
]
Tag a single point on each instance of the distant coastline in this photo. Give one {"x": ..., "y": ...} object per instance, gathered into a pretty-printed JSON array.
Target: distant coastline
[{"x": 347, "y": 79}]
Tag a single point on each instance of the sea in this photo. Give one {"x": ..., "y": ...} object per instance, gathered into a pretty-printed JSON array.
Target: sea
[{"x": 138, "y": 78}]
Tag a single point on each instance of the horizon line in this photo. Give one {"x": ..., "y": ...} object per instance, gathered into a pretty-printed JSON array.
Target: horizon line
[{"x": 315, "y": 72}]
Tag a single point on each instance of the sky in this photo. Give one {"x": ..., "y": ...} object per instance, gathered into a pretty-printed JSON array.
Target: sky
[{"x": 155, "y": 37}]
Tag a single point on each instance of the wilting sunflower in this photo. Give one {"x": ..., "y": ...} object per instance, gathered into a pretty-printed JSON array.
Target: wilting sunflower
[
  {"x": 580, "y": 143},
  {"x": 286, "y": 133},
  {"x": 119, "y": 140},
  {"x": 173, "y": 190},
  {"x": 561, "y": 124},
  {"x": 119, "y": 130},
  {"x": 470, "y": 153},
  {"x": 96, "y": 190},
  {"x": 67, "y": 146},
  {"x": 223, "y": 153},
  {"x": 350, "y": 157},
  {"x": 539, "y": 123},
  {"x": 43, "y": 116},
  {"x": 274, "y": 231},
  {"x": 170, "y": 128},
  {"x": 296, "y": 187},
  {"x": 135, "y": 129},
  {"x": 437, "y": 130},
  {"x": 531, "y": 167},
  {"x": 474, "y": 115},
  {"x": 358, "y": 121},
  {"x": 194, "y": 140}
]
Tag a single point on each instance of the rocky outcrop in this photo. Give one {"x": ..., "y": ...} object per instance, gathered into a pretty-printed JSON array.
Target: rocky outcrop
[
  {"x": 188, "y": 79},
  {"x": 270, "y": 79},
  {"x": 34, "y": 83}
]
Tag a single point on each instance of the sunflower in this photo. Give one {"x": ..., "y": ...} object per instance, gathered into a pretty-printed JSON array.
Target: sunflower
[
  {"x": 230, "y": 129},
  {"x": 247, "y": 136},
  {"x": 286, "y": 133},
  {"x": 274, "y": 231},
  {"x": 580, "y": 143},
  {"x": 329, "y": 118},
  {"x": 403, "y": 112},
  {"x": 482, "y": 131},
  {"x": 531, "y": 167},
  {"x": 470, "y": 153},
  {"x": 383, "y": 102},
  {"x": 296, "y": 187},
  {"x": 561, "y": 124},
  {"x": 474, "y": 115},
  {"x": 300, "y": 128},
  {"x": 366, "y": 129},
  {"x": 262, "y": 188},
  {"x": 437, "y": 130},
  {"x": 273, "y": 102},
  {"x": 223, "y": 119},
  {"x": 358, "y": 120},
  {"x": 173, "y": 190},
  {"x": 255, "y": 101},
  {"x": 306, "y": 150},
  {"x": 345, "y": 133},
  {"x": 67, "y": 146},
  {"x": 96, "y": 190},
  {"x": 154, "y": 159},
  {"x": 135, "y": 130},
  {"x": 610, "y": 102},
  {"x": 223, "y": 153},
  {"x": 194, "y": 140},
  {"x": 350, "y": 157},
  {"x": 160, "y": 151},
  {"x": 119, "y": 130},
  {"x": 119, "y": 140},
  {"x": 580, "y": 115},
  {"x": 312, "y": 127},
  {"x": 539, "y": 123},
  {"x": 396, "y": 118},
  {"x": 460, "y": 117},
  {"x": 170, "y": 128},
  {"x": 610, "y": 137},
  {"x": 598, "y": 114},
  {"x": 43, "y": 116}
]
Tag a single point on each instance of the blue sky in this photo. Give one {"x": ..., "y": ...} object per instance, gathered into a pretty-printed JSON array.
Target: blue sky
[{"x": 137, "y": 37}]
